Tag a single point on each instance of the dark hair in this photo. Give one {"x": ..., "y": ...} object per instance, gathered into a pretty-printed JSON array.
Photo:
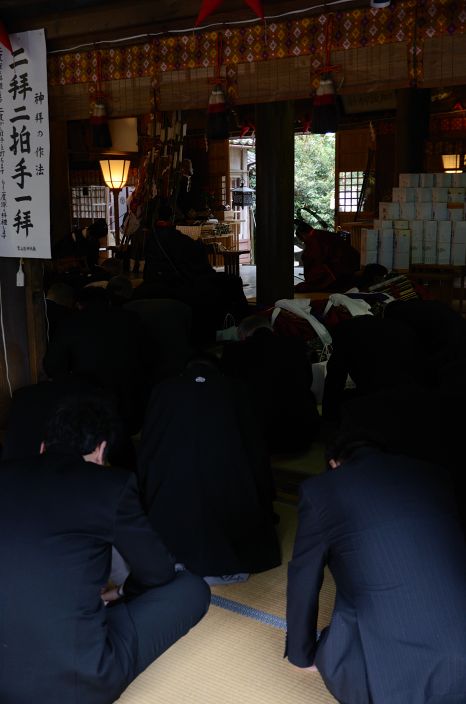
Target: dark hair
[
  {"x": 97, "y": 229},
  {"x": 61, "y": 293},
  {"x": 345, "y": 444},
  {"x": 91, "y": 296},
  {"x": 112, "y": 265},
  {"x": 251, "y": 323},
  {"x": 119, "y": 290},
  {"x": 302, "y": 226},
  {"x": 371, "y": 274},
  {"x": 165, "y": 212},
  {"x": 79, "y": 424},
  {"x": 202, "y": 358}
]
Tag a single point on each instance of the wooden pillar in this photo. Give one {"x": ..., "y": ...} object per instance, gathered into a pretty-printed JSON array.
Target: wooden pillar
[
  {"x": 274, "y": 201},
  {"x": 35, "y": 318},
  {"x": 219, "y": 174},
  {"x": 22, "y": 334},
  {"x": 60, "y": 193},
  {"x": 412, "y": 129}
]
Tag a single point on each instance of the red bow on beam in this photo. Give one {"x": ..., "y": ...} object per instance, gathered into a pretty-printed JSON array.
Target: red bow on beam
[
  {"x": 4, "y": 38},
  {"x": 209, "y": 6}
]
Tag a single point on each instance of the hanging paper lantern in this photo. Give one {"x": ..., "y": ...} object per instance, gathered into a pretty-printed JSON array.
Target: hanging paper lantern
[
  {"x": 325, "y": 108},
  {"x": 209, "y": 6},
  {"x": 4, "y": 38},
  {"x": 217, "y": 115}
]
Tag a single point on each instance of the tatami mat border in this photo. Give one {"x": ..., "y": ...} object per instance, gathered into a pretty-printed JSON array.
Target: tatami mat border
[{"x": 238, "y": 608}]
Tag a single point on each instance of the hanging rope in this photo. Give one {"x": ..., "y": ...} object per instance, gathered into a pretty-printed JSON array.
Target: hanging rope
[
  {"x": 100, "y": 130},
  {"x": 217, "y": 77},
  {"x": 325, "y": 113},
  {"x": 327, "y": 67},
  {"x": 217, "y": 113}
]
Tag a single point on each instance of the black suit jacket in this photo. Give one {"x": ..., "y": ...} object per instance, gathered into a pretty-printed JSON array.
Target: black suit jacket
[
  {"x": 106, "y": 346},
  {"x": 389, "y": 533},
  {"x": 174, "y": 257},
  {"x": 59, "y": 517},
  {"x": 375, "y": 352},
  {"x": 278, "y": 377},
  {"x": 167, "y": 323},
  {"x": 442, "y": 333}
]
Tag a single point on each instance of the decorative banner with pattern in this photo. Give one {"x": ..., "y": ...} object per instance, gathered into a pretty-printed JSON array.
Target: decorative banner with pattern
[
  {"x": 412, "y": 21},
  {"x": 24, "y": 148}
]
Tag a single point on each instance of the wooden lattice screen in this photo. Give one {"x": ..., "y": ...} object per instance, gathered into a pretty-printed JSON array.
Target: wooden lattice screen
[{"x": 90, "y": 197}]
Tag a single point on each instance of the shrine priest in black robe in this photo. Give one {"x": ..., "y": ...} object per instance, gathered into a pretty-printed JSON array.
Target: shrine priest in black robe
[{"x": 204, "y": 476}]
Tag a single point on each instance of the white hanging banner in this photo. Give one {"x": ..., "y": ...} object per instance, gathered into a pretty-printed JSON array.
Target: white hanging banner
[{"x": 24, "y": 148}]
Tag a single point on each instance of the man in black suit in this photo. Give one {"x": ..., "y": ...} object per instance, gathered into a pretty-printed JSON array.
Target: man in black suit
[
  {"x": 60, "y": 515},
  {"x": 32, "y": 406},
  {"x": 386, "y": 526},
  {"x": 377, "y": 353},
  {"x": 107, "y": 346},
  {"x": 278, "y": 378},
  {"x": 442, "y": 335},
  {"x": 178, "y": 267},
  {"x": 168, "y": 325}
]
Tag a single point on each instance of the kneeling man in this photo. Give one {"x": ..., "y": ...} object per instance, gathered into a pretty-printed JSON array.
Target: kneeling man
[
  {"x": 386, "y": 526},
  {"x": 60, "y": 515}
]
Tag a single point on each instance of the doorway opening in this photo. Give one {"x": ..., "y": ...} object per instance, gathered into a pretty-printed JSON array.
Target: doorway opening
[
  {"x": 314, "y": 186},
  {"x": 241, "y": 220}
]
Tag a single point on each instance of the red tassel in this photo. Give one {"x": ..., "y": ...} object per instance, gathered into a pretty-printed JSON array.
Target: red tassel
[{"x": 4, "y": 38}]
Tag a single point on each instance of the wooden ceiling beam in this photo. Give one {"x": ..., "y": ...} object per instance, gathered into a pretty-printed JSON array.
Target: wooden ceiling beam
[{"x": 102, "y": 21}]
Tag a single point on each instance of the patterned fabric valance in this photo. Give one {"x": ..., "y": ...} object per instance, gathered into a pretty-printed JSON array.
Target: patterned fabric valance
[{"x": 411, "y": 22}]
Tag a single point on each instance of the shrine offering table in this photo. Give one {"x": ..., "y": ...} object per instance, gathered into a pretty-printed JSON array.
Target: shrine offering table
[{"x": 216, "y": 245}]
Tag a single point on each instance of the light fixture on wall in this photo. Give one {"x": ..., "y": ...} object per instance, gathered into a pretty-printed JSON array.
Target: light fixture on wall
[
  {"x": 379, "y": 3},
  {"x": 242, "y": 195},
  {"x": 115, "y": 173},
  {"x": 452, "y": 163}
]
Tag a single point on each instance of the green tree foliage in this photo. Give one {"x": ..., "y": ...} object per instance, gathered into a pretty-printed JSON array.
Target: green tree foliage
[{"x": 315, "y": 175}]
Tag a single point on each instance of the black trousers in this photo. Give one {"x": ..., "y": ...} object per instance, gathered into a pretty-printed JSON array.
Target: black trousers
[{"x": 142, "y": 628}]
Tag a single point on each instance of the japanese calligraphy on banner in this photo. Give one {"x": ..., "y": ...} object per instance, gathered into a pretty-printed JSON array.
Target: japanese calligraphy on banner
[{"x": 24, "y": 148}]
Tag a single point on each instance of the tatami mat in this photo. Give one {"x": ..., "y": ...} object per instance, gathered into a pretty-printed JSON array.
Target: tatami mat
[
  {"x": 289, "y": 471},
  {"x": 227, "y": 659},
  {"x": 236, "y": 657},
  {"x": 267, "y": 591},
  {"x": 310, "y": 462}
]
